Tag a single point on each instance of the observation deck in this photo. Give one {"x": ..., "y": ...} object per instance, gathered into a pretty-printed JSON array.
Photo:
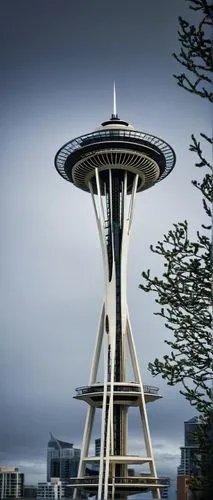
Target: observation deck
[
  {"x": 124, "y": 393},
  {"x": 115, "y": 145}
]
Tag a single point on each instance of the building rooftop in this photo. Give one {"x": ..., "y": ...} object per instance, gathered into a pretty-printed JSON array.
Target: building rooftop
[{"x": 61, "y": 444}]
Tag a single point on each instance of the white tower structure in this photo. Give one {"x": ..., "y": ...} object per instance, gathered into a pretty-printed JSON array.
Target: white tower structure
[{"x": 113, "y": 163}]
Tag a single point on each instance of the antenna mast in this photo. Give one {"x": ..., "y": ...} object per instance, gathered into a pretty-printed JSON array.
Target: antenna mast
[{"x": 114, "y": 115}]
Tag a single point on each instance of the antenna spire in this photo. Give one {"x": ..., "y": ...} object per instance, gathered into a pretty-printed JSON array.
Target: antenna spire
[
  {"x": 114, "y": 114},
  {"x": 114, "y": 100}
]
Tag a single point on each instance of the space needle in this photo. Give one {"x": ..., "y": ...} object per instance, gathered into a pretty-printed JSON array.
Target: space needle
[{"x": 113, "y": 163}]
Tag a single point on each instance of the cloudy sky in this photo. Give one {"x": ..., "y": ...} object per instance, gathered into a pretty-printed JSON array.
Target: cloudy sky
[{"x": 58, "y": 63}]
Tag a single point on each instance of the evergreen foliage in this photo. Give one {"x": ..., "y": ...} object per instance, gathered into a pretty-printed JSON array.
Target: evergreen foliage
[{"x": 184, "y": 291}]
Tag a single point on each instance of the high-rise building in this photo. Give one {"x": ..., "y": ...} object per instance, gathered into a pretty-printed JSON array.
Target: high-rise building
[
  {"x": 190, "y": 432},
  {"x": 52, "y": 490},
  {"x": 188, "y": 462},
  {"x": 190, "y": 449},
  {"x": 11, "y": 482},
  {"x": 62, "y": 459},
  {"x": 113, "y": 163}
]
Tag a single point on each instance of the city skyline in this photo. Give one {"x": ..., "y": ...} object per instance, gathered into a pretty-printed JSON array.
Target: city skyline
[
  {"x": 61, "y": 459},
  {"x": 48, "y": 96}
]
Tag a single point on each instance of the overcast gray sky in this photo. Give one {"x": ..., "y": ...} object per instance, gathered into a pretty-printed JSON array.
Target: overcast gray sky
[{"x": 58, "y": 62}]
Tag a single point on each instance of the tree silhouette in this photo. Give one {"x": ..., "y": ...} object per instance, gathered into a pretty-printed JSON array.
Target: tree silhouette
[{"x": 184, "y": 292}]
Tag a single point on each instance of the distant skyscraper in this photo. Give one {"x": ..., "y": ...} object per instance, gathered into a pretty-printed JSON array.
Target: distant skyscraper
[
  {"x": 190, "y": 430},
  {"x": 190, "y": 448},
  {"x": 11, "y": 483},
  {"x": 188, "y": 458},
  {"x": 62, "y": 460}
]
